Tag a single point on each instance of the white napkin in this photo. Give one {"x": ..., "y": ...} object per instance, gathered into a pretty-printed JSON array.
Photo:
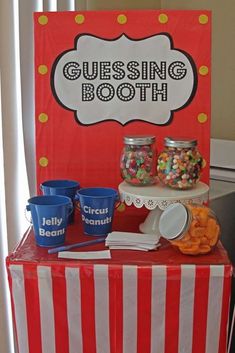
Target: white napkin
[{"x": 132, "y": 241}]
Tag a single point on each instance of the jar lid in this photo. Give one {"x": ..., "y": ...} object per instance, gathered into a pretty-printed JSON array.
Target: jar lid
[
  {"x": 174, "y": 221},
  {"x": 180, "y": 142},
  {"x": 139, "y": 140}
]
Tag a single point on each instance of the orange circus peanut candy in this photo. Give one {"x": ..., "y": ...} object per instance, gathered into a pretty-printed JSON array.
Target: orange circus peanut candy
[
  {"x": 210, "y": 228},
  {"x": 214, "y": 240},
  {"x": 203, "y": 217},
  {"x": 197, "y": 232},
  {"x": 204, "y": 241},
  {"x": 193, "y": 225},
  {"x": 192, "y": 250},
  {"x": 195, "y": 211},
  {"x": 195, "y": 241},
  {"x": 204, "y": 249},
  {"x": 185, "y": 245}
]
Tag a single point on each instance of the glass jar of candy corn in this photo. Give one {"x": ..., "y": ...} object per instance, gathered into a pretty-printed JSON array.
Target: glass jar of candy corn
[
  {"x": 193, "y": 229},
  {"x": 138, "y": 160},
  {"x": 180, "y": 164}
]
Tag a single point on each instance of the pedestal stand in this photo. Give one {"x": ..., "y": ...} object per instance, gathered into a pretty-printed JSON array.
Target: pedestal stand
[{"x": 156, "y": 198}]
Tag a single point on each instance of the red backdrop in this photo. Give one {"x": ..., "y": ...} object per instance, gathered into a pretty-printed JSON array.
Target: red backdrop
[{"x": 90, "y": 153}]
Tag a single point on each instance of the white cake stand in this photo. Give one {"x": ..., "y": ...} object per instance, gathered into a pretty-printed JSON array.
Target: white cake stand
[{"x": 156, "y": 198}]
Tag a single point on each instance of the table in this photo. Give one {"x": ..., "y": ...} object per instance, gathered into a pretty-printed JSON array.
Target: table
[
  {"x": 152, "y": 302},
  {"x": 157, "y": 198}
]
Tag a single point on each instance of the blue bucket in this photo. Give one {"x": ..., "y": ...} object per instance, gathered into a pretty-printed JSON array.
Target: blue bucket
[
  {"x": 61, "y": 187},
  {"x": 50, "y": 217},
  {"x": 97, "y": 208}
]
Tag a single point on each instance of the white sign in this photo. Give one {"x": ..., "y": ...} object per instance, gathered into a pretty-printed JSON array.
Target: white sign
[{"x": 124, "y": 79}]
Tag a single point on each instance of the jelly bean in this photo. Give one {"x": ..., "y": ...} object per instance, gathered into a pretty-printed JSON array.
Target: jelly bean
[
  {"x": 138, "y": 165},
  {"x": 185, "y": 163}
]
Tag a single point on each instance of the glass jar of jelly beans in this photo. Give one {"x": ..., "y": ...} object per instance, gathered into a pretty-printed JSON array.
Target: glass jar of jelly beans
[
  {"x": 180, "y": 164},
  {"x": 193, "y": 229},
  {"x": 138, "y": 160}
]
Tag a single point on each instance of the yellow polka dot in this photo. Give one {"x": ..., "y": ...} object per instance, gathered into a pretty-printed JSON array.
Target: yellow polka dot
[
  {"x": 203, "y": 70},
  {"x": 122, "y": 19},
  {"x": 203, "y": 19},
  {"x": 163, "y": 18},
  {"x": 79, "y": 19},
  {"x": 121, "y": 207},
  {"x": 42, "y": 69},
  {"x": 43, "y": 118},
  {"x": 43, "y": 161},
  {"x": 43, "y": 20},
  {"x": 202, "y": 118}
]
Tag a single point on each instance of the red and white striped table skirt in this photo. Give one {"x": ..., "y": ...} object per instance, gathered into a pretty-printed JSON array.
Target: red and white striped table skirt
[{"x": 100, "y": 308}]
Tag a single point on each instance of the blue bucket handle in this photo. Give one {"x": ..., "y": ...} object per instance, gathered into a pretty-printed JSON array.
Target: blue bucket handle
[
  {"x": 117, "y": 202},
  {"x": 70, "y": 207},
  {"x": 27, "y": 209},
  {"x": 76, "y": 197},
  {"x": 77, "y": 202},
  {"x": 41, "y": 191}
]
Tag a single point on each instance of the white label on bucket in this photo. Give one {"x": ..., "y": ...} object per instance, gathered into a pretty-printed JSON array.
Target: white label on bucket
[
  {"x": 92, "y": 255},
  {"x": 53, "y": 221},
  {"x": 97, "y": 222},
  {"x": 51, "y": 233},
  {"x": 91, "y": 210}
]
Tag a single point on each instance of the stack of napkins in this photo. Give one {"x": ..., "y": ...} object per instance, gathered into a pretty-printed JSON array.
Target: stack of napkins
[{"x": 132, "y": 241}]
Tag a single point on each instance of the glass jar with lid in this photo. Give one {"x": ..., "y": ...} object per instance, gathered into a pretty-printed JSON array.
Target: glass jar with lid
[
  {"x": 193, "y": 229},
  {"x": 138, "y": 160},
  {"x": 180, "y": 163}
]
